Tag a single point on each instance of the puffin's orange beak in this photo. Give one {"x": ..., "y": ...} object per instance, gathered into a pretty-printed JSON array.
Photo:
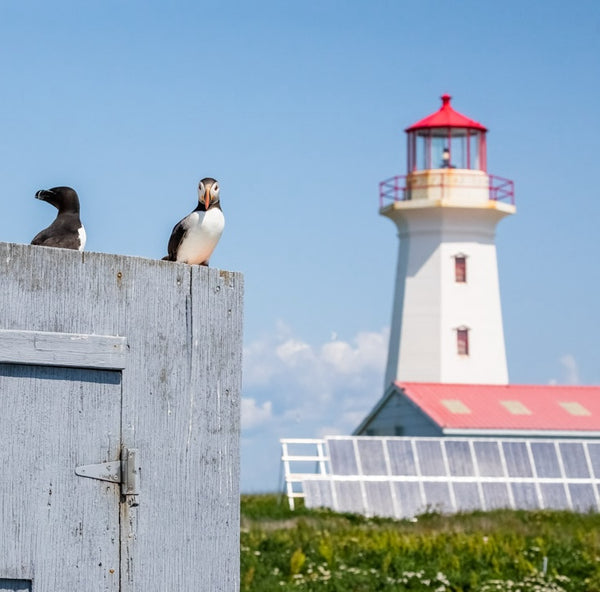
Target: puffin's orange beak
[{"x": 207, "y": 199}]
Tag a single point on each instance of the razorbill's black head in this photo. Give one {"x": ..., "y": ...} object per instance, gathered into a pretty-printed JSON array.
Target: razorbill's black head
[
  {"x": 66, "y": 231},
  {"x": 195, "y": 237}
]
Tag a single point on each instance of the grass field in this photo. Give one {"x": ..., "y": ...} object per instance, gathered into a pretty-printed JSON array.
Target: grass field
[{"x": 506, "y": 551}]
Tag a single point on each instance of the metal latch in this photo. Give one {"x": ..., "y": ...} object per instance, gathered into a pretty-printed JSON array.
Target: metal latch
[{"x": 125, "y": 471}]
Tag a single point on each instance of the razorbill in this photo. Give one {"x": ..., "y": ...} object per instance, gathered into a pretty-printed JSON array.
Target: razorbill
[
  {"x": 195, "y": 237},
  {"x": 67, "y": 231}
]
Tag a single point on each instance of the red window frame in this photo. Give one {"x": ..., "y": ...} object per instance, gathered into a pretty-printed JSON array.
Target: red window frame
[
  {"x": 460, "y": 269},
  {"x": 462, "y": 341}
]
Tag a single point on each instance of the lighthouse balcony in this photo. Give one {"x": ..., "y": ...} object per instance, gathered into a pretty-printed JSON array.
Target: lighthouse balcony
[{"x": 447, "y": 187}]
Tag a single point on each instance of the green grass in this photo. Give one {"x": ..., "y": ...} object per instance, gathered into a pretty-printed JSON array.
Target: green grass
[{"x": 476, "y": 552}]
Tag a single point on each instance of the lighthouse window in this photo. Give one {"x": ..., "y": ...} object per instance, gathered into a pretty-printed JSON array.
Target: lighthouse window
[
  {"x": 460, "y": 269},
  {"x": 462, "y": 341}
]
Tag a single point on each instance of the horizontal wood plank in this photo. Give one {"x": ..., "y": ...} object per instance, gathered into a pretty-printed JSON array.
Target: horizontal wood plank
[{"x": 63, "y": 349}]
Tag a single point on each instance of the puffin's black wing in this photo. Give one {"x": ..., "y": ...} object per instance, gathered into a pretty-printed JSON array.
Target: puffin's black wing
[{"x": 175, "y": 240}]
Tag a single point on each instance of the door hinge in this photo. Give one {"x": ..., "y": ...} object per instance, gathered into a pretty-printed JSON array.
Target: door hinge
[{"x": 125, "y": 471}]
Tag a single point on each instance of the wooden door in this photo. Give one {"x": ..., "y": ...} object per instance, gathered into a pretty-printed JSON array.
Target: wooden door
[{"x": 59, "y": 531}]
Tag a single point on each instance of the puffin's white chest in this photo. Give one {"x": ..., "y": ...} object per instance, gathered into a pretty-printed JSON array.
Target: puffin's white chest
[{"x": 204, "y": 229}]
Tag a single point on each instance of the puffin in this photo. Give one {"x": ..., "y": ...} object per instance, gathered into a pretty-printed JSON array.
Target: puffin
[
  {"x": 195, "y": 237},
  {"x": 67, "y": 231}
]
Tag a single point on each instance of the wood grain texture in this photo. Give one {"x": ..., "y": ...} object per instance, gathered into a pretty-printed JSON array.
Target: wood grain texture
[
  {"x": 63, "y": 349},
  {"x": 180, "y": 400}
]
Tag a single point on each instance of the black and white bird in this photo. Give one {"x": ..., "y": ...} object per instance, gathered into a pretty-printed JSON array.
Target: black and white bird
[
  {"x": 67, "y": 231},
  {"x": 195, "y": 237}
]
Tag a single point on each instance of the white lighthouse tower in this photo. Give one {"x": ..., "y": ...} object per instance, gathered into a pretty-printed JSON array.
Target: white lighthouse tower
[{"x": 446, "y": 319}]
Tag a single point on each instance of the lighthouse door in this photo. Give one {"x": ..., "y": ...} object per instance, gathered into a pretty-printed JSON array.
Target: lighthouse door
[{"x": 59, "y": 531}]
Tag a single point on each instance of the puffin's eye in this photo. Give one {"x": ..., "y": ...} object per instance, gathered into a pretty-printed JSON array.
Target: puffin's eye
[
  {"x": 201, "y": 188},
  {"x": 214, "y": 190}
]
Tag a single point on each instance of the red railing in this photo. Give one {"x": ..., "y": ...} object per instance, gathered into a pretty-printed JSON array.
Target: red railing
[
  {"x": 396, "y": 189},
  {"x": 502, "y": 189}
]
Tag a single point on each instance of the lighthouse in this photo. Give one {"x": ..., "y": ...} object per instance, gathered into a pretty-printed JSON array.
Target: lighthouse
[{"x": 446, "y": 319}]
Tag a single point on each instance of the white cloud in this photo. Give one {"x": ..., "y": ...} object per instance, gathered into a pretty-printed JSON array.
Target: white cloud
[
  {"x": 369, "y": 353},
  {"x": 283, "y": 357},
  {"x": 570, "y": 371},
  {"x": 292, "y": 352},
  {"x": 296, "y": 389},
  {"x": 570, "y": 368},
  {"x": 253, "y": 414}
]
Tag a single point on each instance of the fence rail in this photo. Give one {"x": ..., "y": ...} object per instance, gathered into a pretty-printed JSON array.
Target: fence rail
[{"x": 320, "y": 458}]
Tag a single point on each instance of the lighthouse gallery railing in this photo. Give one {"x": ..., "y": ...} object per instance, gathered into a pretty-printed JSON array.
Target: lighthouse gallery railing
[{"x": 397, "y": 189}]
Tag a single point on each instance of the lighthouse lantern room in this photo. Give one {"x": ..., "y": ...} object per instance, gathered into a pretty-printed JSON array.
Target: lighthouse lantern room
[
  {"x": 446, "y": 318},
  {"x": 446, "y": 139}
]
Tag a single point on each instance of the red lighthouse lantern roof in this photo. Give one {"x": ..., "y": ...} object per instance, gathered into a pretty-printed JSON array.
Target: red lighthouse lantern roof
[{"x": 446, "y": 116}]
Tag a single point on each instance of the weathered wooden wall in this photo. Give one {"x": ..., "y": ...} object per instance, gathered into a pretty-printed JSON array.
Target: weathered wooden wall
[{"x": 118, "y": 352}]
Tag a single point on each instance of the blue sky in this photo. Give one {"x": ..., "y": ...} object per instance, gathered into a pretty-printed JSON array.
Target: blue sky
[{"x": 298, "y": 109}]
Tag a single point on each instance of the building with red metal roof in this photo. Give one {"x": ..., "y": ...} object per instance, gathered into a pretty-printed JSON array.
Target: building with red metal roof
[{"x": 438, "y": 409}]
